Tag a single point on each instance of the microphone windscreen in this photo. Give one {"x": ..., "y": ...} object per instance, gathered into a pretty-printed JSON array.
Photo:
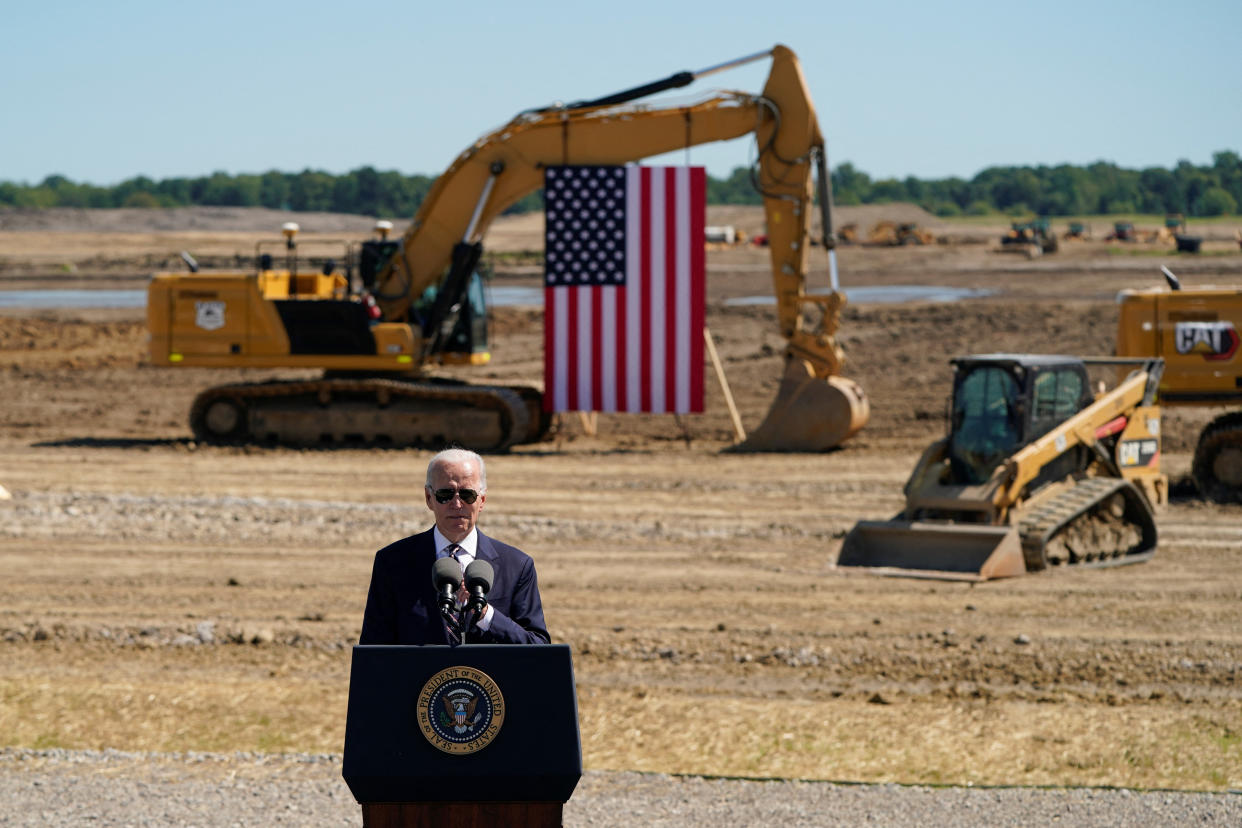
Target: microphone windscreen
[
  {"x": 446, "y": 571},
  {"x": 480, "y": 574}
]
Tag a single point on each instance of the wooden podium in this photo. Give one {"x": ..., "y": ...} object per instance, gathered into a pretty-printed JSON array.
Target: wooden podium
[{"x": 476, "y": 735}]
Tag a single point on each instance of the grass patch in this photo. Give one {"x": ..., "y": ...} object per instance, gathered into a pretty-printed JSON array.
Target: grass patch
[
  {"x": 938, "y": 743},
  {"x": 511, "y": 258},
  {"x": 1148, "y": 252},
  {"x": 235, "y": 707},
  {"x": 1099, "y": 223}
]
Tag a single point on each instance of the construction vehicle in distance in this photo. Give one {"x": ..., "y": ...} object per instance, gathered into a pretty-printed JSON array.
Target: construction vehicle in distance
[
  {"x": 1077, "y": 231},
  {"x": 1036, "y": 472},
  {"x": 416, "y": 303},
  {"x": 1175, "y": 231},
  {"x": 1123, "y": 231},
  {"x": 1195, "y": 330},
  {"x": 724, "y": 236},
  {"x": 895, "y": 234},
  {"x": 1034, "y": 238}
]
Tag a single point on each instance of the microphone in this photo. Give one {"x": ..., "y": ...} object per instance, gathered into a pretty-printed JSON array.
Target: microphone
[
  {"x": 479, "y": 577},
  {"x": 446, "y": 575}
]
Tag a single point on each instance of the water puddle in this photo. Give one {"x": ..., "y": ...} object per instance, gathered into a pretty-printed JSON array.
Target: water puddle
[
  {"x": 498, "y": 295},
  {"x": 73, "y": 298},
  {"x": 893, "y": 294}
]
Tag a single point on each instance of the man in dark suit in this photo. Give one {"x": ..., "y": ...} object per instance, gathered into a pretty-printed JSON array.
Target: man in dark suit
[{"x": 402, "y": 604}]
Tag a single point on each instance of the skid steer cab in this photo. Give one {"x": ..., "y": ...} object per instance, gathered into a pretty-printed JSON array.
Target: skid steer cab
[{"x": 1038, "y": 470}]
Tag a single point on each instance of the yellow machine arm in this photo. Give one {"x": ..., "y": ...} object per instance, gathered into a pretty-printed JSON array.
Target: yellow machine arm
[
  {"x": 501, "y": 168},
  {"x": 1131, "y": 399}
]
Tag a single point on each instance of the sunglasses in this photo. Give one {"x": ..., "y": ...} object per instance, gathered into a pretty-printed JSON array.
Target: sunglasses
[{"x": 467, "y": 496}]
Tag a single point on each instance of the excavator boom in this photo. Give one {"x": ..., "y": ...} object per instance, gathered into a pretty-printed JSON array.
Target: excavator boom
[{"x": 815, "y": 408}]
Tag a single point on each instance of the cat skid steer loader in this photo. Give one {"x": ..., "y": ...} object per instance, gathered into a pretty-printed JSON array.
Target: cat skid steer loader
[{"x": 1037, "y": 472}]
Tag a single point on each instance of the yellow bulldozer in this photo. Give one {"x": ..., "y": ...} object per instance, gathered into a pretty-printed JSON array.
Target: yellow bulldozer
[
  {"x": 379, "y": 323},
  {"x": 896, "y": 234},
  {"x": 1033, "y": 238},
  {"x": 1038, "y": 471},
  {"x": 1195, "y": 330}
]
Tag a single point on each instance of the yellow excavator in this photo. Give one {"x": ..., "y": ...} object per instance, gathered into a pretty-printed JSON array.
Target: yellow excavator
[
  {"x": 1038, "y": 471},
  {"x": 416, "y": 302}
]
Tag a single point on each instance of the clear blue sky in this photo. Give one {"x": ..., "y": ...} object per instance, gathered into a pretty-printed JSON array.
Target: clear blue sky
[{"x": 104, "y": 91}]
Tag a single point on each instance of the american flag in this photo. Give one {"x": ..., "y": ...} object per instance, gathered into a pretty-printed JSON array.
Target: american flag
[{"x": 624, "y": 290}]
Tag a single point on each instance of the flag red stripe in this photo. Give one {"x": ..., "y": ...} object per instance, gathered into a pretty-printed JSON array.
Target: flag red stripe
[
  {"x": 571, "y": 349},
  {"x": 698, "y": 283},
  {"x": 597, "y": 349},
  {"x": 549, "y": 347},
  {"x": 644, "y": 266},
  {"x": 672, "y": 238},
  {"x": 622, "y": 374}
]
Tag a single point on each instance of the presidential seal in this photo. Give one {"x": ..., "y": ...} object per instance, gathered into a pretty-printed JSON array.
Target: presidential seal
[{"x": 460, "y": 710}]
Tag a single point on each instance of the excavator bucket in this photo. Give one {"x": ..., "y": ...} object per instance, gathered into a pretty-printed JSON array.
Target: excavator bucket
[
  {"x": 960, "y": 552},
  {"x": 809, "y": 413}
]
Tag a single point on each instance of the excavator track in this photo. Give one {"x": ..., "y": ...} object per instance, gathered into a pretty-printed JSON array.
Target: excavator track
[
  {"x": 369, "y": 411},
  {"x": 1101, "y": 521}
]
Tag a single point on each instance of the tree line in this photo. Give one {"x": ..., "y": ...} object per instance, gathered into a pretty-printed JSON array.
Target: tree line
[{"x": 1101, "y": 188}]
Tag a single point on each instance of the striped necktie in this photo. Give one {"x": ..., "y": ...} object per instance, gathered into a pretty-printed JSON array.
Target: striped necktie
[
  {"x": 454, "y": 637},
  {"x": 456, "y": 552}
]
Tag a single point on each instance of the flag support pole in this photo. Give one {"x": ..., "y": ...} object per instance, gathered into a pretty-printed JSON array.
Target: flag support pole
[
  {"x": 724, "y": 385},
  {"x": 589, "y": 422}
]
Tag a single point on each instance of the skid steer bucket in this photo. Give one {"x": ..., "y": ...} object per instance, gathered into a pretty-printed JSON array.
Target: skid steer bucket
[
  {"x": 809, "y": 413},
  {"x": 934, "y": 550}
]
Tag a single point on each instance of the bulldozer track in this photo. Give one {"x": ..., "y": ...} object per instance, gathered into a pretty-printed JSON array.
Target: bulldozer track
[
  {"x": 233, "y": 423},
  {"x": 1042, "y": 524}
]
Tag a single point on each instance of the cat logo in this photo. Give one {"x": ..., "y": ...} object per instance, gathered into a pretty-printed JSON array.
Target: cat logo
[
  {"x": 1217, "y": 341},
  {"x": 1138, "y": 452},
  {"x": 209, "y": 315}
]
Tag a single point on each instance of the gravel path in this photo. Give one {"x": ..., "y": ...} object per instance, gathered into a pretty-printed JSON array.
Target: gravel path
[{"x": 110, "y": 788}]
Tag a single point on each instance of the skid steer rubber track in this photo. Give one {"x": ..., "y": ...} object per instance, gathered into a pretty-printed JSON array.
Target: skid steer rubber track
[
  {"x": 369, "y": 411},
  {"x": 1114, "y": 504}
]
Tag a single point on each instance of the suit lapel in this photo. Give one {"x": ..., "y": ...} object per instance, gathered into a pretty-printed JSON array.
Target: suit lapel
[
  {"x": 424, "y": 552},
  {"x": 486, "y": 550}
]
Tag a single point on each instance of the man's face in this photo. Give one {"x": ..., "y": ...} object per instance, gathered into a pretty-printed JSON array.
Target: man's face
[{"x": 455, "y": 518}]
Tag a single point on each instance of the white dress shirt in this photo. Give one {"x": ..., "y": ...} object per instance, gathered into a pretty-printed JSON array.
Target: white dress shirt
[{"x": 468, "y": 545}]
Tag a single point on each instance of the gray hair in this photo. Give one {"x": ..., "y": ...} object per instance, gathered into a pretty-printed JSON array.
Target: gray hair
[{"x": 458, "y": 455}]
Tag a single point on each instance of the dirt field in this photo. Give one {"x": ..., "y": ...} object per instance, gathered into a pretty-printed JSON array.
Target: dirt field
[{"x": 161, "y": 595}]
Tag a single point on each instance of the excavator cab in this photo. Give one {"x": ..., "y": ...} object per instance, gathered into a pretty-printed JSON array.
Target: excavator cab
[
  {"x": 373, "y": 257},
  {"x": 465, "y": 332},
  {"x": 451, "y": 317}
]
